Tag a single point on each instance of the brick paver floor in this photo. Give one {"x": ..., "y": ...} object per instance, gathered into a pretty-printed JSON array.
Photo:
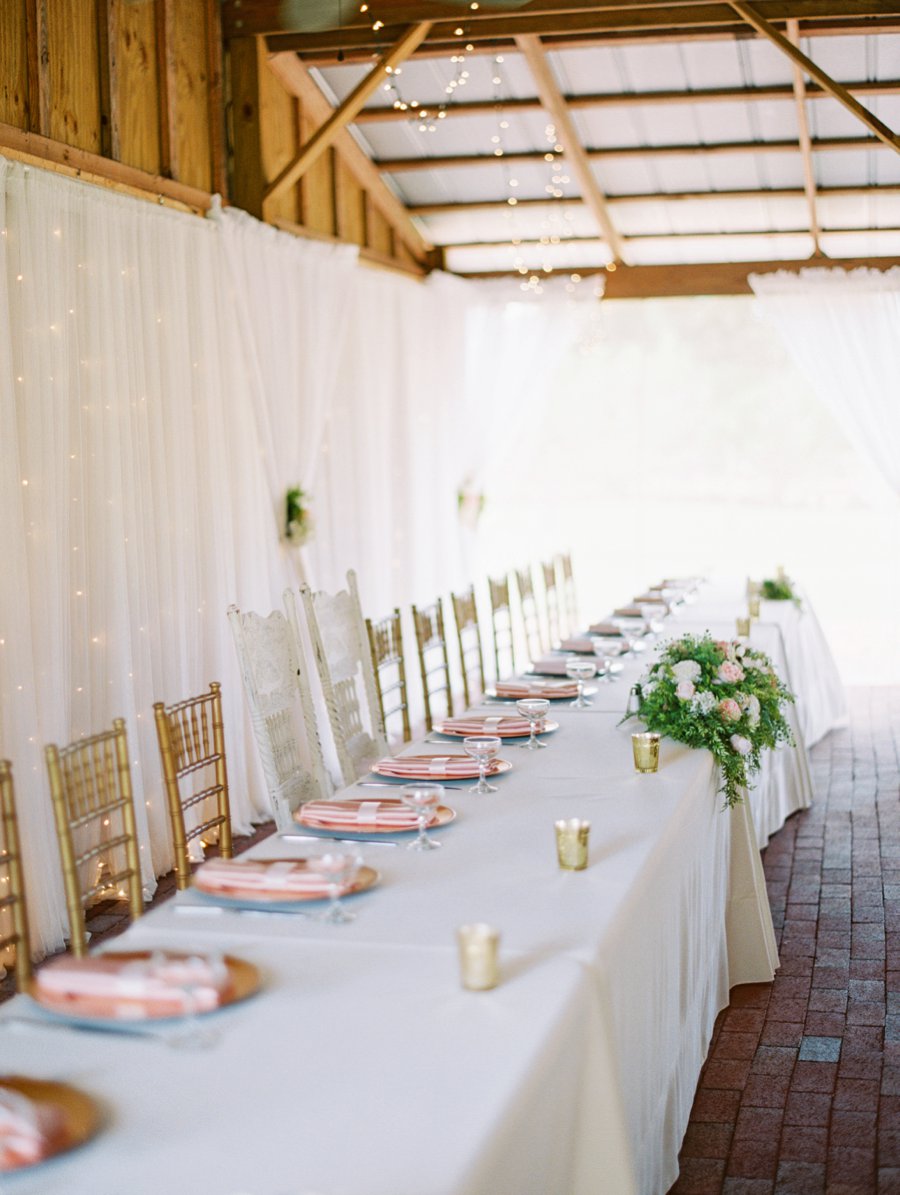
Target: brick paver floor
[{"x": 800, "y": 1094}]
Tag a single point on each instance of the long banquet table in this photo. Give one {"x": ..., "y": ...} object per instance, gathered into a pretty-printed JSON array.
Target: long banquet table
[{"x": 362, "y": 1068}]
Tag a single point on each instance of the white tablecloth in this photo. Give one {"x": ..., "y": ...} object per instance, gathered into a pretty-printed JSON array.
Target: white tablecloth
[{"x": 362, "y": 1069}]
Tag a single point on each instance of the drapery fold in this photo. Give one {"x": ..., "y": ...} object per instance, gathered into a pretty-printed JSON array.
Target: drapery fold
[
  {"x": 163, "y": 379},
  {"x": 843, "y": 330}
]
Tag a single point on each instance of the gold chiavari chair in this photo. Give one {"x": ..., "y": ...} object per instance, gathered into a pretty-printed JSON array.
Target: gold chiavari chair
[
  {"x": 468, "y": 636},
  {"x": 551, "y": 600},
  {"x": 192, "y": 753},
  {"x": 12, "y": 901},
  {"x": 569, "y": 597},
  {"x": 389, "y": 665},
  {"x": 434, "y": 660},
  {"x": 93, "y": 805},
  {"x": 502, "y": 628},
  {"x": 528, "y": 610}
]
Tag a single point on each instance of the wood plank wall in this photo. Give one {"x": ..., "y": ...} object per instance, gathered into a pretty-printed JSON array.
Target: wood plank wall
[{"x": 141, "y": 94}]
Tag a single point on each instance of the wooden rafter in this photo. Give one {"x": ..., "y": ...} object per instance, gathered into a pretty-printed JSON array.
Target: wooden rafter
[
  {"x": 243, "y": 18},
  {"x": 165, "y": 67},
  {"x": 806, "y": 145},
  {"x": 297, "y": 80},
  {"x": 753, "y": 17},
  {"x": 704, "y": 278},
  {"x": 699, "y": 234},
  {"x": 407, "y": 165},
  {"x": 634, "y": 99},
  {"x": 341, "y": 116},
  {"x": 573, "y": 153},
  {"x": 443, "y": 209}
]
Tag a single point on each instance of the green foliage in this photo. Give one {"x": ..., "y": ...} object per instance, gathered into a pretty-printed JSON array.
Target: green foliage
[
  {"x": 297, "y": 517},
  {"x": 720, "y": 695},
  {"x": 778, "y": 591}
]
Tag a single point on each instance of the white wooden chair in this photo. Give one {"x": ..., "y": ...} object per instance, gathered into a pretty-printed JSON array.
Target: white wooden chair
[
  {"x": 343, "y": 659},
  {"x": 276, "y": 685}
]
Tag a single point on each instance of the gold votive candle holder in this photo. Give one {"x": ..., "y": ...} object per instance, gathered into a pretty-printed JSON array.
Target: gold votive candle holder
[
  {"x": 645, "y": 748},
  {"x": 743, "y": 628},
  {"x": 572, "y": 836},
  {"x": 753, "y": 605},
  {"x": 479, "y": 946},
  {"x": 780, "y": 574}
]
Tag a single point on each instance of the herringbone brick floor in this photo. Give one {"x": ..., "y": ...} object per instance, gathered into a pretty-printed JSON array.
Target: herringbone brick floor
[{"x": 800, "y": 1094}]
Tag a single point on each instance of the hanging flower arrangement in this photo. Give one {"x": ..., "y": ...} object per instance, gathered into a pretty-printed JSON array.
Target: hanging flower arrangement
[{"x": 298, "y": 522}]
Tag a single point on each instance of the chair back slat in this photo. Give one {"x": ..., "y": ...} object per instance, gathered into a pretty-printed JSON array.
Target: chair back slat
[
  {"x": 13, "y": 910},
  {"x": 93, "y": 807},
  {"x": 468, "y": 637},
  {"x": 191, "y": 740},
  {"x": 434, "y": 660}
]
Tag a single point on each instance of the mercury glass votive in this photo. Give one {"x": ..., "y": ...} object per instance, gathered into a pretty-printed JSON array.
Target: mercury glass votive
[
  {"x": 743, "y": 628},
  {"x": 646, "y": 752},
  {"x": 572, "y": 843},
  {"x": 753, "y": 605},
  {"x": 478, "y": 956}
]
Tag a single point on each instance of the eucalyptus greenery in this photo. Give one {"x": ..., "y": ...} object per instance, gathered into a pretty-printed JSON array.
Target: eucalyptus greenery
[
  {"x": 721, "y": 695},
  {"x": 297, "y": 517},
  {"x": 779, "y": 590}
]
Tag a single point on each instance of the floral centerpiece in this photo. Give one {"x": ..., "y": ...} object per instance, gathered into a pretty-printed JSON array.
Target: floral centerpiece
[
  {"x": 781, "y": 589},
  {"x": 298, "y": 523},
  {"x": 721, "y": 695}
]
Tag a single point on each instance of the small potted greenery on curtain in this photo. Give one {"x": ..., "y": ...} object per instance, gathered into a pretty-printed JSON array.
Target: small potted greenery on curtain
[{"x": 298, "y": 524}]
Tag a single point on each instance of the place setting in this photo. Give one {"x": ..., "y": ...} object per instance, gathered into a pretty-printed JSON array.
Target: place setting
[
  {"x": 531, "y": 721},
  {"x": 40, "y": 1120}
]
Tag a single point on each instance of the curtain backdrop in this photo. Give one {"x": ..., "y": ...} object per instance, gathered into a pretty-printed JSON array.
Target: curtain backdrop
[
  {"x": 843, "y": 331},
  {"x": 163, "y": 379}
]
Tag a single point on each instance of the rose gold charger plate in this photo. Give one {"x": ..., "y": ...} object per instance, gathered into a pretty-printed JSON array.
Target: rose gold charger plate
[
  {"x": 366, "y": 878},
  {"x": 81, "y": 1115},
  {"x": 245, "y": 982},
  {"x": 442, "y": 816},
  {"x": 500, "y": 734},
  {"x": 497, "y": 768}
]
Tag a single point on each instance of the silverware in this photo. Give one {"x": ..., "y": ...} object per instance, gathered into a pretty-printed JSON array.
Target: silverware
[
  {"x": 335, "y": 838},
  {"x": 241, "y": 910}
]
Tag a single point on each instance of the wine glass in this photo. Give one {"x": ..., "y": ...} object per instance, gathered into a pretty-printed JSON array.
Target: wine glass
[
  {"x": 423, "y": 800},
  {"x": 337, "y": 867},
  {"x": 535, "y": 710},
  {"x": 193, "y": 973},
  {"x": 580, "y": 670},
  {"x": 483, "y": 749}
]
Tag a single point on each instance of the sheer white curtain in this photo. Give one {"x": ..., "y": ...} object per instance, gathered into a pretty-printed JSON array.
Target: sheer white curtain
[
  {"x": 843, "y": 331},
  {"x": 293, "y": 300},
  {"x": 163, "y": 379}
]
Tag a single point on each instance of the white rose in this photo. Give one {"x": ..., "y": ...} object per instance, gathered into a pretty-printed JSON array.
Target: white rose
[
  {"x": 741, "y": 745},
  {"x": 686, "y": 670},
  {"x": 684, "y": 690},
  {"x": 753, "y": 710}
]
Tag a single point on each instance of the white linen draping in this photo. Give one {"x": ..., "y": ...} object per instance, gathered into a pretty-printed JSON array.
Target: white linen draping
[
  {"x": 162, "y": 378},
  {"x": 843, "y": 330}
]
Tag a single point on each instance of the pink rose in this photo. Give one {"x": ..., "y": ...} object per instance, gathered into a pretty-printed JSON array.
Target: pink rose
[
  {"x": 685, "y": 690},
  {"x": 730, "y": 710},
  {"x": 732, "y": 673}
]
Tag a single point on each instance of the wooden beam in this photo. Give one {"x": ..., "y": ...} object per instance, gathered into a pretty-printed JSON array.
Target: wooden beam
[
  {"x": 407, "y": 165},
  {"x": 634, "y": 99},
  {"x": 367, "y": 256},
  {"x": 341, "y": 116},
  {"x": 753, "y": 17},
  {"x": 93, "y": 168},
  {"x": 574, "y": 154},
  {"x": 810, "y": 27},
  {"x": 700, "y": 234},
  {"x": 216, "y": 100},
  {"x": 37, "y": 66},
  {"x": 107, "y": 64},
  {"x": 294, "y": 76},
  {"x": 167, "y": 90},
  {"x": 715, "y": 278},
  {"x": 806, "y": 146},
  {"x": 442, "y": 209}
]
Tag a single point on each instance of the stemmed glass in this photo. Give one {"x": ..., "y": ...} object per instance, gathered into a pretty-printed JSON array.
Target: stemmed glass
[
  {"x": 535, "y": 710},
  {"x": 192, "y": 1033},
  {"x": 338, "y": 869},
  {"x": 604, "y": 664},
  {"x": 423, "y": 800},
  {"x": 483, "y": 748},
  {"x": 580, "y": 670}
]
